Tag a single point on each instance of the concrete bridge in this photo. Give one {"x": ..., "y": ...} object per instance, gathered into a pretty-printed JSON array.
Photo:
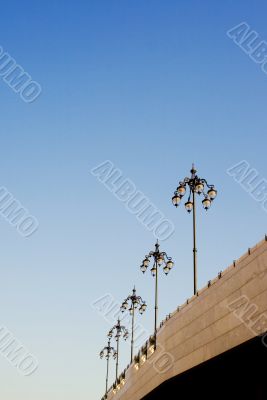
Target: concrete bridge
[{"x": 214, "y": 345}]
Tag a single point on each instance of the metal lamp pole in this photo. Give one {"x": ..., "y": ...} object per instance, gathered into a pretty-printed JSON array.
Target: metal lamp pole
[
  {"x": 194, "y": 243},
  {"x": 159, "y": 258},
  {"x": 195, "y": 185},
  {"x": 132, "y": 339},
  {"x": 156, "y": 291},
  {"x": 107, "y": 352},
  {"x": 116, "y": 332},
  {"x": 132, "y": 302}
]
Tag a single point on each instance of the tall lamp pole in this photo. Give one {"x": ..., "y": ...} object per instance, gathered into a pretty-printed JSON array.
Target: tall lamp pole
[
  {"x": 108, "y": 352},
  {"x": 195, "y": 185},
  {"x": 132, "y": 303},
  {"x": 116, "y": 332},
  {"x": 158, "y": 258}
]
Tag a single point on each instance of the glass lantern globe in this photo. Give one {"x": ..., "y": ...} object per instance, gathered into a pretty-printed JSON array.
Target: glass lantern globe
[
  {"x": 153, "y": 271},
  {"x": 144, "y": 306},
  {"x": 212, "y": 193},
  {"x": 125, "y": 305},
  {"x": 199, "y": 187},
  {"x": 176, "y": 200},
  {"x": 166, "y": 269},
  {"x": 160, "y": 259},
  {"x": 181, "y": 190},
  {"x": 143, "y": 268},
  {"x": 146, "y": 262},
  {"x": 189, "y": 206},
  {"x": 170, "y": 264},
  {"x": 206, "y": 203}
]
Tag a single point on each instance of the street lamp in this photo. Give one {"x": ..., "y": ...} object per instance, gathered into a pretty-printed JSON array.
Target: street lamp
[
  {"x": 159, "y": 259},
  {"x": 108, "y": 352},
  {"x": 131, "y": 304},
  {"x": 116, "y": 332},
  {"x": 199, "y": 186}
]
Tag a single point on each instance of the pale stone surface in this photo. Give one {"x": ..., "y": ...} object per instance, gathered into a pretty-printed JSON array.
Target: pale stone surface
[{"x": 209, "y": 325}]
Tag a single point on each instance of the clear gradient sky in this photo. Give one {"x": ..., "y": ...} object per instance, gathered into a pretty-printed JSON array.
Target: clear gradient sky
[{"x": 151, "y": 86}]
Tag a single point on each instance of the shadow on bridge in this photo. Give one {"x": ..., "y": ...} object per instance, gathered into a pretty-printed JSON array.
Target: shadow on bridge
[{"x": 239, "y": 374}]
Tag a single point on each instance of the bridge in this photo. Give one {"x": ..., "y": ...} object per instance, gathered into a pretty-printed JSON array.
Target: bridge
[{"x": 213, "y": 346}]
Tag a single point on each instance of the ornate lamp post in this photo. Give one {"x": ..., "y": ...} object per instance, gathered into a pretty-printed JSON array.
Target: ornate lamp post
[
  {"x": 195, "y": 185},
  {"x": 108, "y": 352},
  {"x": 116, "y": 332},
  {"x": 132, "y": 303},
  {"x": 159, "y": 259}
]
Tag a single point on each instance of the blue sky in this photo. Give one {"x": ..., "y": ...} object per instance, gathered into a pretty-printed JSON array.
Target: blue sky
[{"x": 152, "y": 86}]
